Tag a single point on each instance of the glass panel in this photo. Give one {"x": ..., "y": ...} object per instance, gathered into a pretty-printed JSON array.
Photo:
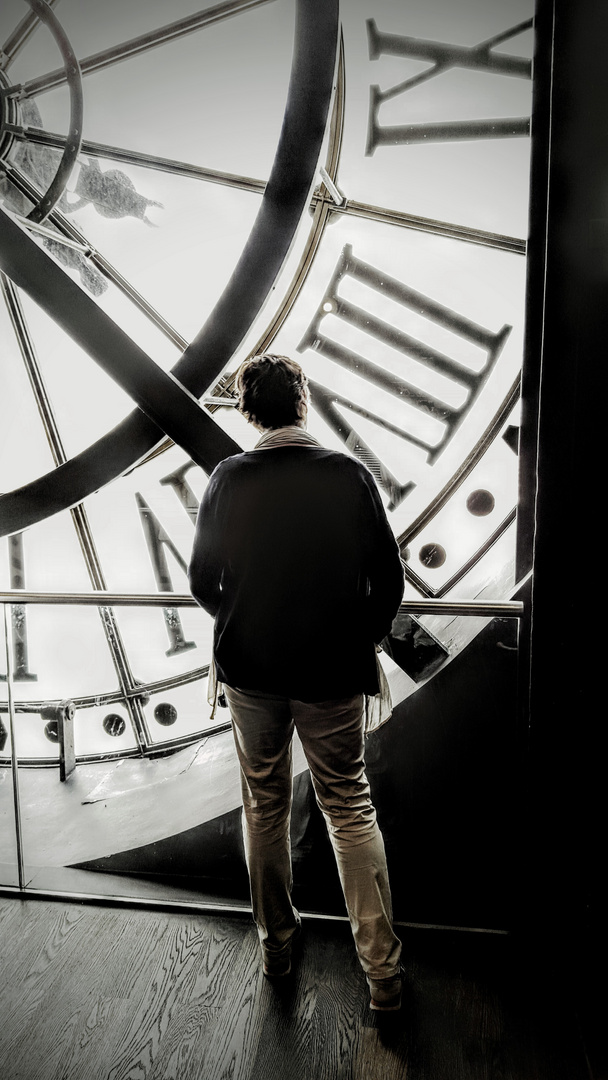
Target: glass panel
[
  {"x": 206, "y": 97},
  {"x": 24, "y": 449},
  {"x": 145, "y": 503},
  {"x": 448, "y": 176},
  {"x": 9, "y": 873},
  {"x": 116, "y": 804},
  {"x": 464, "y": 526},
  {"x": 84, "y": 401},
  {"x": 175, "y": 239},
  {"x": 179, "y": 712},
  {"x": 67, "y": 653},
  {"x": 103, "y": 729}
]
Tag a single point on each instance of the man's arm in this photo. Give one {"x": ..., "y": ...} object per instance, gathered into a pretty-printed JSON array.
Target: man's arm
[
  {"x": 206, "y": 562},
  {"x": 385, "y": 569}
]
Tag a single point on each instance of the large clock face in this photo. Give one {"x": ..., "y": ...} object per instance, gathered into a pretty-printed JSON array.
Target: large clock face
[{"x": 402, "y": 295}]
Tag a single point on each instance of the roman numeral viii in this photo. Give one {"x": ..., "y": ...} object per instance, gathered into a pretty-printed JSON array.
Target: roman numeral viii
[{"x": 454, "y": 375}]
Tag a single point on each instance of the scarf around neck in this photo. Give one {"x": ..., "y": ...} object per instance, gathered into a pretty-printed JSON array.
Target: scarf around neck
[{"x": 285, "y": 436}]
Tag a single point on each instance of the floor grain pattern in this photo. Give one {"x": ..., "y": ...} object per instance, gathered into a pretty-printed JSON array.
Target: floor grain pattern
[{"x": 92, "y": 992}]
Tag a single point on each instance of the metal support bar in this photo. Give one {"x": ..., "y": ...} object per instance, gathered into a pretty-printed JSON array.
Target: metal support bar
[
  {"x": 332, "y": 188},
  {"x": 74, "y": 138},
  {"x": 51, "y": 234},
  {"x": 341, "y": 205},
  {"x": 136, "y": 157}
]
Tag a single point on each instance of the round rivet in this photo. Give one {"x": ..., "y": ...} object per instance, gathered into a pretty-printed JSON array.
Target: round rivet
[
  {"x": 432, "y": 556},
  {"x": 114, "y": 725},
  {"x": 481, "y": 502},
  {"x": 165, "y": 714}
]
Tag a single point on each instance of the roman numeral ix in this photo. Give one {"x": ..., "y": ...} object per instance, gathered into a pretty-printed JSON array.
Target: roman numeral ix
[{"x": 441, "y": 57}]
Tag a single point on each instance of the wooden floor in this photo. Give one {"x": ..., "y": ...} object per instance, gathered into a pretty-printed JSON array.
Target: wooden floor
[{"x": 92, "y": 992}]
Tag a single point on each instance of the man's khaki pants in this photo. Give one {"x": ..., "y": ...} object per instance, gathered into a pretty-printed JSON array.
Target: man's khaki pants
[{"x": 331, "y": 734}]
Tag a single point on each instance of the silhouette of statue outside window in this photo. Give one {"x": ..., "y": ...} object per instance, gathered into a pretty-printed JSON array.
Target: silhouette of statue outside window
[{"x": 111, "y": 193}]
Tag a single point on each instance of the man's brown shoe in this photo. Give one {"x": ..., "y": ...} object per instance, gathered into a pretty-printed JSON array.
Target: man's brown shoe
[{"x": 385, "y": 994}]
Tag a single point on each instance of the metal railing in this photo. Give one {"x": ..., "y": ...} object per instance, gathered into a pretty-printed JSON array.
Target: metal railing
[
  {"x": 481, "y": 608},
  {"x": 509, "y": 609}
]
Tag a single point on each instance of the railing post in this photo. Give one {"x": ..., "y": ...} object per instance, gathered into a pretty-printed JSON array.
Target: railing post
[
  {"x": 62, "y": 715},
  {"x": 14, "y": 761}
]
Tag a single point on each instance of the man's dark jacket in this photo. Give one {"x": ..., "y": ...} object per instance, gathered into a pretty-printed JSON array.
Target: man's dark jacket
[{"x": 294, "y": 557}]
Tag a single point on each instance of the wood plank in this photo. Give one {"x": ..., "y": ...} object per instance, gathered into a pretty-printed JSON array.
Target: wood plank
[{"x": 108, "y": 993}]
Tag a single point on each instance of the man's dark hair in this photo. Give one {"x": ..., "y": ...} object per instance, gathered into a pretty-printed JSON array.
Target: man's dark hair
[{"x": 272, "y": 391}]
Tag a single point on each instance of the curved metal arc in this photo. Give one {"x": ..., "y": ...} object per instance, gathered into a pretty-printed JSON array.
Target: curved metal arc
[
  {"x": 321, "y": 208},
  {"x": 74, "y": 138},
  {"x": 478, "y": 555},
  {"x": 286, "y": 197},
  {"x": 465, "y": 467},
  {"x": 157, "y": 749},
  {"x": 116, "y": 697},
  {"x": 426, "y": 590}
]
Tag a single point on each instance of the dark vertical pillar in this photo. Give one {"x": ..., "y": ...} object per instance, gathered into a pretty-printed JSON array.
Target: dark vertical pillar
[{"x": 562, "y": 439}]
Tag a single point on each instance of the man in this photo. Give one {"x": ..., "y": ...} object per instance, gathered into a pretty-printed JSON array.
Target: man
[{"x": 294, "y": 557}]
